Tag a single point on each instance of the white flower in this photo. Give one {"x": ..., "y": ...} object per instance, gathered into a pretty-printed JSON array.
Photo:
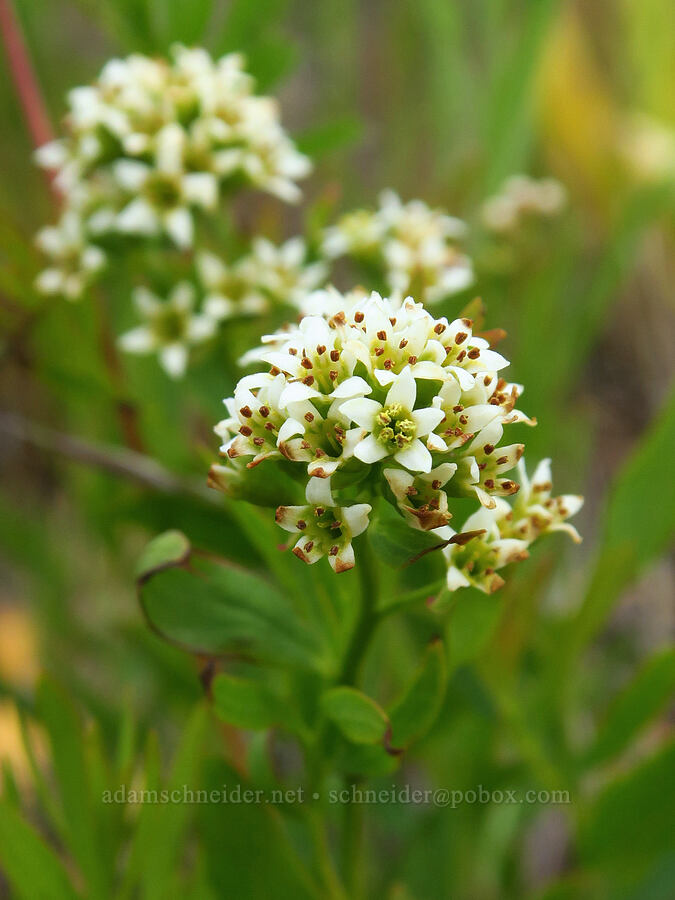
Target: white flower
[
  {"x": 367, "y": 380},
  {"x": 520, "y": 197},
  {"x": 420, "y": 498},
  {"x": 163, "y": 194},
  {"x": 326, "y": 529},
  {"x": 230, "y": 289},
  {"x": 75, "y": 261},
  {"x": 170, "y": 329},
  {"x": 283, "y": 271},
  {"x": 536, "y": 512},
  {"x": 394, "y": 427},
  {"x": 151, "y": 141},
  {"x": 415, "y": 246}
]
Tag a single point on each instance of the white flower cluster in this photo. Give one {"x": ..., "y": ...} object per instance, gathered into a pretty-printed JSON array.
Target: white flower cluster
[
  {"x": 151, "y": 142},
  {"x": 520, "y": 198},
  {"x": 268, "y": 275},
  {"x": 373, "y": 397},
  {"x": 413, "y": 245}
]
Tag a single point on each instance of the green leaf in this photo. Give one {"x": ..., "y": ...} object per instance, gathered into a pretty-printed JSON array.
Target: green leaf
[
  {"x": 74, "y": 785},
  {"x": 631, "y": 821},
  {"x": 416, "y": 711},
  {"x": 161, "y": 828},
  {"x": 330, "y": 136},
  {"x": 169, "y": 549},
  {"x": 640, "y": 522},
  {"x": 369, "y": 760},
  {"x": 644, "y": 697},
  {"x": 208, "y": 606},
  {"x": 30, "y": 866},
  {"x": 471, "y": 623},
  {"x": 394, "y": 542},
  {"x": 246, "y": 703},
  {"x": 358, "y": 717}
]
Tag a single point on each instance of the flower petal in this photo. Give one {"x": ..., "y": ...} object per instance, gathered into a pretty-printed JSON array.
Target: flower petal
[{"x": 415, "y": 457}]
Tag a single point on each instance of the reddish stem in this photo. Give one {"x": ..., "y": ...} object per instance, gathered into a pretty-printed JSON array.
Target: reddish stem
[{"x": 23, "y": 75}]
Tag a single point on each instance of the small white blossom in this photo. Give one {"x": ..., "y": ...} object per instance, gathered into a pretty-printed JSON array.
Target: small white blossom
[
  {"x": 415, "y": 247},
  {"x": 171, "y": 328},
  {"x": 326, "y": 529},
  {"x": 521, "y": 197},
  {"x": 75, "y": 261}
]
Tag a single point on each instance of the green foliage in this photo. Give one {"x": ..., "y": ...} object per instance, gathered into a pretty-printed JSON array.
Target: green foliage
[
  {"x": 416, "y": 711},
  {"x": 357, "y": 716},
  {"x": 246, "y": 703}
]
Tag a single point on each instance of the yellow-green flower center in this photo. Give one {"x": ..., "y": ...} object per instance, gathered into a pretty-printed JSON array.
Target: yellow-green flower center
[{"x": 394, "y": 427}]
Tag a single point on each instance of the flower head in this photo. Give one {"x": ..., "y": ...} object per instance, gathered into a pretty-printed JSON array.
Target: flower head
[
  {"x": 153, "y": 141},
  {"x": 520, "y": 198},
  {"x": 415, "y": 247},
  {"x": 171, "y": 327},
  {"x": 382, "y": 399}
]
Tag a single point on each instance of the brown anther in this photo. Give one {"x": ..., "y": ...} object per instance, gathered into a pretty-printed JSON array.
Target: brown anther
[
  {"x": 489, "y": 483},
  {"x": 379, "y": 351},
  {"x": 502, "y": 460},
  {"x": 439, "y": 328},
  {"x": 468, "y": 323},
  {"x": 461, "y": 337},
  {"x": 404, "y": 343},
  {"x": 246, "y": 412},
  {"x": 309, "y": 417},
  {"x": 458, "y": 408},
  {"x": 488, "y": 449},
  {"x": 335, "y": 525},
  {"x": 274, "y": 371},
  {"x": 258, "y": 441},
  {"x": 358, "y": 317},
  {"x": 487, "y": 380},
  {"x": 412, "y": 360},
  {"x": 411, "y": 491},
  {"x": 393, "y": 321},
  {"x": 382, "y": 335},
  {"x": 333, "y": 375},
  {"x": 301, "y": 524},
  {"x": 463, "y": 420},
  {"x": 334, "y": 355},
  {"x": 309, "y": 381},
  {"x": 435, "y": 484},
  {"x": 388, "y": 363},
  {"x": 305, "y": 446},
  {"x": 264, "y": 411},
  {"x": 306, "y": 363},
  {"x": 308, "y": 546},
  {"x": 320, "y": 348},
  {"x": 474, "y": 353},
  {"x": 319, "y": 511},
  {"x": 319, "y": 453},
  {"x": 293, "y": 351},
  {"x": 246, "y": 431},
  {"x": 460, "y": 356},
  {"x": 269, "y": 426},
  {"x": 334, "y": 550}
]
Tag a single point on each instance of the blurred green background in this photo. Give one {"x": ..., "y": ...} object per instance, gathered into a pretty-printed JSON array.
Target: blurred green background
[{"x": 563, "y": 680}]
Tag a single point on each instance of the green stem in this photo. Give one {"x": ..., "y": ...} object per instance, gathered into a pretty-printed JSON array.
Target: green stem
[
  {"x": 368, "y": 616},
  {"x": 353, "y": 825}
]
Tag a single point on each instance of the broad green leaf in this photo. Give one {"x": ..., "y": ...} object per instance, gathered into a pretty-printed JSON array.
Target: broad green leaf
[
  {"x": 394, "y": 542},
  {"x": 471, "y": 623},
  {"x": 639, "y": 523},
  {"x": 416, "y": 711},
  {"x": 246, "y": 703},
  {"x": 640, "y": 701},
  {"x": 211, "y": 607},
  {"x": 169, "y": 549},
  {"x": 368, "y": 760},
  {"x": 631, "y": 821},
  {"x": 31, "y": 867},
  {"x": 358, "y": 717}
]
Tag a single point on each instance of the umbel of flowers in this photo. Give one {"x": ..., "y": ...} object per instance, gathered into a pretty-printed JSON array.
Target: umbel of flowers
[
  {"x": 371, "y": 397},
  {"x": 150, "y": 143}
]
